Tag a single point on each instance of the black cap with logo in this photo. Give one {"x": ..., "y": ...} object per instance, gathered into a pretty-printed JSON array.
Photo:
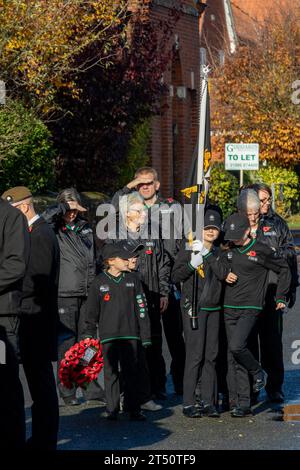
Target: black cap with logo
[{"x": 235, "y": 227}]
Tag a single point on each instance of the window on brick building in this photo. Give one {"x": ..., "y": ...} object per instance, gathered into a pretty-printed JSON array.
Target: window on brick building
[
  {"x": 221, "y": 58},
  {"x": 202, "y": 56}
]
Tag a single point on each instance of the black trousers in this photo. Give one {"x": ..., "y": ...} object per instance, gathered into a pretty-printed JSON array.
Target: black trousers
[
  {"x": 123, "y": 352},
  {"x": 221, "y": 365},
  {"x": 41, "y": 382},
  {"x": 173, "y": 328},
  {"x": 239, "y": 324},
  {"x": 12, "y": 413},
  {"x": 72, "y": 316},
  {"x": 201, "y": 355},
  {"x": 154, "y": 356},
  {"x": 270, "y": 338}
]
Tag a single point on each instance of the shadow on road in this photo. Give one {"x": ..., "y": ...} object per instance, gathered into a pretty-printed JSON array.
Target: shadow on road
[{"x": 87, "y": 428}]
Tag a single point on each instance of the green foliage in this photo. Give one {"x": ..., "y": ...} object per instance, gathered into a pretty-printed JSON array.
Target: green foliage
[
  {"x": 26, "y": 151},
  {"x": 285, "y": 203},
  {"x": 223, "y": 189},
  {"x": 137, "y": 155}
]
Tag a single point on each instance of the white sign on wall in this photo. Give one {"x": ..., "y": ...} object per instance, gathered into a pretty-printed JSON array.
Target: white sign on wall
[{"x": 241, "y": 156}]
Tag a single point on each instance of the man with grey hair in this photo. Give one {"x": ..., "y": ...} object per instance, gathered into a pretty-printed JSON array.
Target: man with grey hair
[
  {"x": 274, "y": 231},
  {"x": 39, "y": 321}
]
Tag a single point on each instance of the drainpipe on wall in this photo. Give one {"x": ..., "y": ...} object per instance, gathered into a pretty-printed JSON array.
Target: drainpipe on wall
[{"x": 233, "y": 40}]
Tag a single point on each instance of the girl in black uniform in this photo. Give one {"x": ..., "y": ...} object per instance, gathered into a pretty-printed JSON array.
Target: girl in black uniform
[{"x": 202, "y": 343}]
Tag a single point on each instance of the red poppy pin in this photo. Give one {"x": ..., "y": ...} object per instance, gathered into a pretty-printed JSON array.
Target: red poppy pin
[
  {"x": 106, "y": 297},
  {"x": 251, "y": 253},
  {"x": 148, "y": 252},
  {"x": 266, "y": 229}
]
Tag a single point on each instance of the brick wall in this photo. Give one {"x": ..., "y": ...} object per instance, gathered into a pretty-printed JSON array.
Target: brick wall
[{"x": 174, "y": 130}]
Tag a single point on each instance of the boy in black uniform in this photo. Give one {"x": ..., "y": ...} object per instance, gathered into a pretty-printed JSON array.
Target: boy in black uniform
[
  {"x": 202, "y": 343},
  {"x": 117, "y": 303},
  {"x": 248, "y": 262}
]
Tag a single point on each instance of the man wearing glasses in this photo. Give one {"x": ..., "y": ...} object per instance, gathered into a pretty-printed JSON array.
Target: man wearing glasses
[
  {"x": 274, "y": 231},
  {"x": 163, "y": 210}
]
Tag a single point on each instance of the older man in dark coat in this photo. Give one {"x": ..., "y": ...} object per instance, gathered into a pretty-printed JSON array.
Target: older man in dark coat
[
  {"x": 14, "y": 250},
  {"x": 38, "y": 324}
]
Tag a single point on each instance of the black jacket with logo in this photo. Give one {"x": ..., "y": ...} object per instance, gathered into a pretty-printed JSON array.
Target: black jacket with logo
[
  {"x": 153, "y": 262},
  {"x": 77, "y": 253},
  {"x": 14, "y": 254},
  {"x": 274, "y": 232},
  {"x": 209, "y": 280},
  {"x": 119, "y": 306},
  {"x": 251, "y": 264}
]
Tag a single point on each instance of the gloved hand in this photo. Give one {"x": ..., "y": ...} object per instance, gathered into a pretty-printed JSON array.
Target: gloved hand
[
  {"x": 196, "y": 259},
  {"x": 197, "y": 245}
]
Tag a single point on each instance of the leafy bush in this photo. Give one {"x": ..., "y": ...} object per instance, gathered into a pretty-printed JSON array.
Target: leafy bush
[
  {"x": 137, "y": 155},
  {"x": 286, "y": 199},
  {"x": 224, "y": 188},
  {"x": 26, "y": 151}
]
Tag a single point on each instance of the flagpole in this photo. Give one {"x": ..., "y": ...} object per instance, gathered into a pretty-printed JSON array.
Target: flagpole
[{"x": 199, "y": 222}]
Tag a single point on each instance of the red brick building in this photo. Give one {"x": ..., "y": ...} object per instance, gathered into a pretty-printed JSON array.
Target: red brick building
[{"x": 175, "y": 129}]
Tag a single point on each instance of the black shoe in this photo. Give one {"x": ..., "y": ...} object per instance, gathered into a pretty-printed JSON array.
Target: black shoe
[
  {"x": 192, "y": 411},
  {"x": 276, "y": 397},
  {"x": 112, "y": 415},
  {"x": 260, "y": 382},
  {"x": 210, "y": 411},
  {"x": 137, "y": 416},
  {"x": 240, "y": 412}
]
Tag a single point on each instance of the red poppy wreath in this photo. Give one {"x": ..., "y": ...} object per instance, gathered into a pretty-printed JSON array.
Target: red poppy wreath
[{"x": 81, "y": 364}]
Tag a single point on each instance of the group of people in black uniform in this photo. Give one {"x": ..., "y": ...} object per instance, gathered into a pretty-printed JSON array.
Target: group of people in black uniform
[{"x": 55, "y": 289}]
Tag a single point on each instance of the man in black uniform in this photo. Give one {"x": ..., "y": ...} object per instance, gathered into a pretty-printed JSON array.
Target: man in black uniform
[
  {"x": 14, "y": 252},
  {"x": 118, "y": 305},
  {"x": 247, "y": 263},
  {"x": 274, "y": 231},
  {"x": 38, "y": 323},
  {"x": 168, "y": 214}
]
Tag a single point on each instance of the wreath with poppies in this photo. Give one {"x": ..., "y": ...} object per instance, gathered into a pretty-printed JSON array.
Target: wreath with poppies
[{"x": 82, "y": 364}]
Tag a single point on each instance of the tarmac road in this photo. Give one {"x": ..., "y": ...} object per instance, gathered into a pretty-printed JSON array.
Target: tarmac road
[{"x": 85, "y": 428}]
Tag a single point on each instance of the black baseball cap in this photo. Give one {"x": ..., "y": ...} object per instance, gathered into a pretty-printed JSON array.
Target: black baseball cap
[
  {"x": 134, "y": 247},
  {"x": 212, "y": 218},
  {"x": 236, "y": 226},
  {"x": 121, "y": 249}
]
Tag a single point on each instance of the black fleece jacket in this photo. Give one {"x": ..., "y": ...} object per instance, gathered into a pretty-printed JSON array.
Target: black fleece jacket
[
  {"x": 209, "y": 280},
  {"x": 119, "y": 306}
]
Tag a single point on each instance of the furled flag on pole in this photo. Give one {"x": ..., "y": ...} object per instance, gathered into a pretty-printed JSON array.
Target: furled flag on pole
[
  {"x": 197, "y": 187},
  {"x": 197, "y": 183}
]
